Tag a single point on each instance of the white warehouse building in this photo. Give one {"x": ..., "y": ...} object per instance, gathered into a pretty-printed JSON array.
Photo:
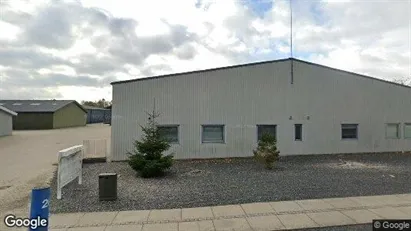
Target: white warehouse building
[
  {"x": 6, "y": 121},
  {"x": 221, "y": 112}
]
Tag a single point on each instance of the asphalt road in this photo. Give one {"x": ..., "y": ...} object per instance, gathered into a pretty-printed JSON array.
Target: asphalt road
[{"x": 27, "y": 159}]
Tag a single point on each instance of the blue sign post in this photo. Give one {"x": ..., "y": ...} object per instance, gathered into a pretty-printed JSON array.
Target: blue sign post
[{"x": 40, "y": 200}]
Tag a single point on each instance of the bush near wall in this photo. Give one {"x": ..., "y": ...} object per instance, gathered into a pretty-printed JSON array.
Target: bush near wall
[{"x": 266, "y": 151}]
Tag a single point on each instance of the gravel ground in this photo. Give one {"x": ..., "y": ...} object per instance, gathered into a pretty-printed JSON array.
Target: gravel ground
[{"x": 232, "y": 181}]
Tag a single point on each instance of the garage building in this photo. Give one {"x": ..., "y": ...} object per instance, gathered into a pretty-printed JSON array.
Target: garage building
[
  {"x": 222, "y": 112},
  {"x": 46, "y": 114},
  {"x": 97, "y": 115},
  {"x": 6, "y": 121}
]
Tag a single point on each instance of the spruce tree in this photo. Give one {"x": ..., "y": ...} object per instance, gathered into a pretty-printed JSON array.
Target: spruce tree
[{"x": 147, "y": 157}]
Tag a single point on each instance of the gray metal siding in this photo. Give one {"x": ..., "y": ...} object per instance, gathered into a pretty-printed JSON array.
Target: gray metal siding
[
  {"x": 6, "y": 124},
  {"x": 98, "y": 115},
  {"x": 240, "y": 98}
]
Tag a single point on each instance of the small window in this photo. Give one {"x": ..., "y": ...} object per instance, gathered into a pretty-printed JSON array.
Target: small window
[
  {"x": 169, "y": 132},
  {"x": 349, "y": 131},
  {"x": 270, "y": 129},
  {"x": 35, "y": 104},
  {"x": 212, "y": 134},
  {"x": 407, "y": 130},
  {"x": 392, "y": 131},
  {"x": 15, "y": 104},
  {"x": 298, "y": 132}
]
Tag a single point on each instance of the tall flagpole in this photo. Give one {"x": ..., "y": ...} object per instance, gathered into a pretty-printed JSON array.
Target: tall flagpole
[{"x": 291, "y": 42}]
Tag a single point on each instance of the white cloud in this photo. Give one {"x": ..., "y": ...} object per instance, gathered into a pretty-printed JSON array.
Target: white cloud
[
  {"x": 94, "y": 93},
  {"x": 336, "y": 1},
  {"x": 80, "y": 48},
  {"x": 367, "y": 37},
  {"x": 9, "y": 31},
  {"x": 344, "y": 58}
]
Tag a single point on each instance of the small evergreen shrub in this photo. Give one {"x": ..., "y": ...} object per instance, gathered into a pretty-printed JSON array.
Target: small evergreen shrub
[
  {"x": 266, "y": 151},
  {"x": 147, "y": 157}
]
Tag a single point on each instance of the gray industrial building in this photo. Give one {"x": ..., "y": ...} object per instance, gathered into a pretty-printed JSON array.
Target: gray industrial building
[
  {"x": 6, "y": 121},
  {"x": 221, "y": 112},
  {"x": 97, "y": 115}
]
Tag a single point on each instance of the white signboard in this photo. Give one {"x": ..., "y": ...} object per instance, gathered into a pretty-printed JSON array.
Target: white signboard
[
  {"x": 95, "y": 148},
  {"x": 69, "y": 167}
]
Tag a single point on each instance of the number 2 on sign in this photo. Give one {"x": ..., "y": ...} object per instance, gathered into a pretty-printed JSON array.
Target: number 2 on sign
[{"x": 45, "y": 204}]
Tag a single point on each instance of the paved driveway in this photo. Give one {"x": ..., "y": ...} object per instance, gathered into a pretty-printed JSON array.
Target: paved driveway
[{"x": 27, "y": 159}]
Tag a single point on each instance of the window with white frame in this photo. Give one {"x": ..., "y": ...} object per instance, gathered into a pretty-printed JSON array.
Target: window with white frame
[
  {"x": 269, "y": 129},
  {"x": 212, "y": 134},
  {"x": 349, "y": 131},
  {"x": 169, "y": 132},
  {"x": 392, "y": 131},
  {"x": 407, "y": 130}
]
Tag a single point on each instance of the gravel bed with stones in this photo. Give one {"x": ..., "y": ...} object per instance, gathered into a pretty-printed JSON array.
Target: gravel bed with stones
[{"x": 196, "y": 183}]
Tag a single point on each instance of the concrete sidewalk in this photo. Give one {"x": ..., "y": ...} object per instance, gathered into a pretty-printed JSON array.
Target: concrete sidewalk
[{"x": 282, "y": 215}]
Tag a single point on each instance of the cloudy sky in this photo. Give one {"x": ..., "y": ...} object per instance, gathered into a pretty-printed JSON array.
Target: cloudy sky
[{"x": 74, "y": 49}]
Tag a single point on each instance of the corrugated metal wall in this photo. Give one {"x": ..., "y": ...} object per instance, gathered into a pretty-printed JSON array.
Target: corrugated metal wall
[
  {"x": 98, "y": 116},
  {"x": 33, "y": 121},
  {"x": 70, "y": 115},
  {"x": 240, "y": 98}
]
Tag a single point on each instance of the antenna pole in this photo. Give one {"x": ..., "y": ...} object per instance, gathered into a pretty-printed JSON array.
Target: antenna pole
[
  {"x": 291, "y": 29},
  {"x": 291, "y": 42}
]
